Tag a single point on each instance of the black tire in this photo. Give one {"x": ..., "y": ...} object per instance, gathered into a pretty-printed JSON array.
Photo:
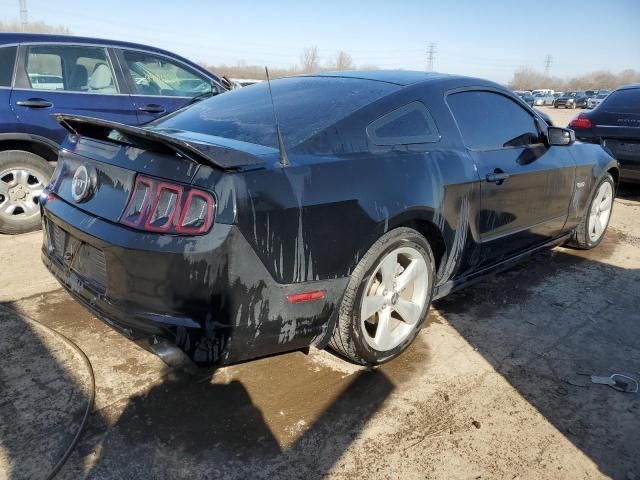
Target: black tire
[
  {"x": 40, "y": 168},
  {"x": 347, "y": 338},
  {"x": 581, "y": 239}
]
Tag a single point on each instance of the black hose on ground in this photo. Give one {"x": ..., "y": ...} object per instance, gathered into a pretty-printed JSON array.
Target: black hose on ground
[{"x": 92, "y": 393}]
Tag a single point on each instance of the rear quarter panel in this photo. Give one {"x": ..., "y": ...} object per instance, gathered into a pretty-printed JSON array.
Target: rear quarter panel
[
  {"x": 592, "y": 163},
  {"x": 316, "y": 218}
]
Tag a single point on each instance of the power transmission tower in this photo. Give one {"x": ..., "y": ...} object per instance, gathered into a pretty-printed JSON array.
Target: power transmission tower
[
  {"x": 431, "y": 56},
  {"x": 547, "y": 64},
  {"x": 24, "y": 14}
]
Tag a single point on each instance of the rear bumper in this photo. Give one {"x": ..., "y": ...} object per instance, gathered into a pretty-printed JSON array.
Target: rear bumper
[{"x": 210, "y": 296}]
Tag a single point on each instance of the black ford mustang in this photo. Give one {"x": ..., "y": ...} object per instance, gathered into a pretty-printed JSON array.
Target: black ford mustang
[{"x": 200, "y": 234}]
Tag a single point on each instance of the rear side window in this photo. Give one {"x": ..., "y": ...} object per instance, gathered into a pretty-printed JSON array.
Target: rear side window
[
  {"x": 406, "y": 125},
  {"x": 489, "y": 121},
  {"x": 70, "y": 68},
  {"x": 7, "y": 61},
  {"x": 623, "y": 101}
]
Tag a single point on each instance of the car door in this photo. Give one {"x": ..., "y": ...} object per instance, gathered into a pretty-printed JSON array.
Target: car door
[
  {"x": 526, "y": 187},
  {"x": 160, "y": 84},
  {"x": 7, "y": 62},
  {"x": 65, "y": 78}
]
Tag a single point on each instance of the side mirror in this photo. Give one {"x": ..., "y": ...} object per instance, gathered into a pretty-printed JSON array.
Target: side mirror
[{"x": 560, "y": 136}]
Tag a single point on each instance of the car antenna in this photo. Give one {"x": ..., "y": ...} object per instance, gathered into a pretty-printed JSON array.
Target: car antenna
[{"x": 284, "y": 160}]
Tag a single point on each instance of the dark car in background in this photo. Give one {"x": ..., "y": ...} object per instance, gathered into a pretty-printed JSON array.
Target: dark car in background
[
  {"x": 45, "y": 74},
  {"x": 581, "y": 102},
  {"x": 526, "y": 98},
  {"x": 569, "y": 100},
  {"x": 214, "y": 233},
  {"x": 615, "y": 124}
]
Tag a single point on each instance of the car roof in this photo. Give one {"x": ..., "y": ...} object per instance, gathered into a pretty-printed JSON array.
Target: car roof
[
  {"x": 397, "y": 77},
  {"x": 6, "y": 38},
  {"x": 14, "y": 38},
  {"x": 629, "y": 86}
]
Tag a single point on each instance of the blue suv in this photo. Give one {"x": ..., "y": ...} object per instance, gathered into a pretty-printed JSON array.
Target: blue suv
[{"x": 45, "y": 74}]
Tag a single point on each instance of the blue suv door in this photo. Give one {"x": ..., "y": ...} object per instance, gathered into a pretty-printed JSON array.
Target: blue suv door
[
  {"x": 71, "y": 79},
  {"x": 160, "y": 84}
]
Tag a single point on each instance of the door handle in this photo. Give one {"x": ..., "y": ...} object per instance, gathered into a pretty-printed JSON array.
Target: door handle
[
  {"x": 152, "y": 108},
  {"x": 34, "y": 103},
  {"x": 497, "y": 177}
]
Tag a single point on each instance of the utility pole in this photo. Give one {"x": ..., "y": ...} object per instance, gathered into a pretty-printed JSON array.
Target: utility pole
[
  {"x": 431, "y": 56},
  {"x": 24, "y": 14},
  {"x": 547, "y": 64}
]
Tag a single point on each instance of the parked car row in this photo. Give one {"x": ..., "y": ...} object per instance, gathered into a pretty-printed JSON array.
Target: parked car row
[{"x": 573, "y": 99}]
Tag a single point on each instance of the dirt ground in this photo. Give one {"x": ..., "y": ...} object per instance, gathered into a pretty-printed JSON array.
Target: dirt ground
[{"x": 496, "y": 385}]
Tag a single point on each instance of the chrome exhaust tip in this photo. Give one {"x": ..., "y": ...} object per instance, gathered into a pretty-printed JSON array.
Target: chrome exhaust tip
[{"x": 169, "y": 353}]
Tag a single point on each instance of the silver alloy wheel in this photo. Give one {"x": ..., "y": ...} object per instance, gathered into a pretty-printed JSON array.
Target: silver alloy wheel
[
  {"x": 19, "y": 192},
  {"x": 394, "y": 298},
  {"x": 600, "y": 211}
]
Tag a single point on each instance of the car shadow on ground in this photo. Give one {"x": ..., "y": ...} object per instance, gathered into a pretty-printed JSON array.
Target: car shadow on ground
[
  {"x": 184, "y": 426},
  {"x": 188, "y": 427},
  {"x": 549, "y": 323},
  {"x": 44, "y": 395}
]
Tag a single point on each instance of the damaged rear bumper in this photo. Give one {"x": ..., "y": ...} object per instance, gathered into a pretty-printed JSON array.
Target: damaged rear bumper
[{"x": 209, "y": 296}]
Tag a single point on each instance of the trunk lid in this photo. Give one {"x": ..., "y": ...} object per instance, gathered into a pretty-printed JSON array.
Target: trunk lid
[{"x": 105, "y": 157}]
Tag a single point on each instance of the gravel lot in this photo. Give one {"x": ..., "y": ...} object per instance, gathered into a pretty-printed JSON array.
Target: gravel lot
[{"x": 496, "y": 385}]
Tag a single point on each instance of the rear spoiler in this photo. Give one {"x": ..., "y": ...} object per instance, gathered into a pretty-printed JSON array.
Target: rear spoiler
[{"x": 206, "y": 153}]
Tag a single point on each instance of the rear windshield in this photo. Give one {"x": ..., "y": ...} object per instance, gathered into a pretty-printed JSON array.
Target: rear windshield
[
  {"x": 304, "y": 105},
  {"x": 627, "y": 101}
]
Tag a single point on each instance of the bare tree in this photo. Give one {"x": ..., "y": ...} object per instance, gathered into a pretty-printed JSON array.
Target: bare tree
[
  {"x": 344, "y": 61},
  {"x": 526, "y": 78},
  {"x": 310, "y": 59},
  {"x": 33, "y": 27}
]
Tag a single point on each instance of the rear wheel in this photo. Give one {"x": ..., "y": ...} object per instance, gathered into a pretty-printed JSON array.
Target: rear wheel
[
  {"x": 593, "y": 226},
  {"x": 387, "y": 299},
  {"x": 23, "y": 176}
]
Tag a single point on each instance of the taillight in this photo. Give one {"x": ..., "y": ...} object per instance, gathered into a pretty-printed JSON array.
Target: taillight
[
  {"x": 156, "y": 206},
  {"x": 581, "y": 121}
]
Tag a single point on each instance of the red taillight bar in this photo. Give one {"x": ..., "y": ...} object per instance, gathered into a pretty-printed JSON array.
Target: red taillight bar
[
  {"x": 209, "y": 218},
  {"x": 169, "y": 223},
  {"x": 141, "y": 218},
  {"x": 145, "y": 203}
]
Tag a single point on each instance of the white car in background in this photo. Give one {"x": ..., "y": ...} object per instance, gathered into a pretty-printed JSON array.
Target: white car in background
[
  {"x": 545, "y": 91},
  {"x": 593, "y": 102},
  {"x": 542, "y": 99}
]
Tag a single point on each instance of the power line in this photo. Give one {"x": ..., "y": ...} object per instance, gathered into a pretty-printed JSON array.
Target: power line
[
  {"x": 24, "y": 13},
  {"x": 547, "y": 64},
  {"x": 431, "y": 56}
]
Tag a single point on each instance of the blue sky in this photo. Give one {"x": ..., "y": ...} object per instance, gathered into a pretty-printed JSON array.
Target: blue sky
[{"x": 482, "y": 38}]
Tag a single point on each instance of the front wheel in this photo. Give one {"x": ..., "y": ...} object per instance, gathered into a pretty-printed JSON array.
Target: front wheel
[
  {"x": 593, "y": 226},
  {"x": 23, "y": 176},
  {"x": 387, "y": 298}
]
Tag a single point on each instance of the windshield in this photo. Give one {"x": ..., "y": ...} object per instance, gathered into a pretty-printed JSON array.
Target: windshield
[
  {"x": 304, "y": 105},
  {"x": 602, "y": 95}
]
